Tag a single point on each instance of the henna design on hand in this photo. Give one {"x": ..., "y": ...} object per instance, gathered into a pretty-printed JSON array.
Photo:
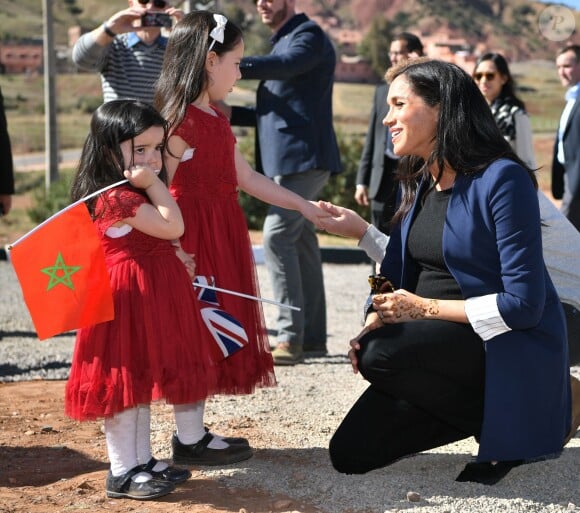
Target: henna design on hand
[
  {"x": 417, "y": 310},
  {"x": 433, "y": 307}
]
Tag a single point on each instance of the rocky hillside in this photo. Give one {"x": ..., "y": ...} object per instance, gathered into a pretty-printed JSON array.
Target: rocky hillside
[{"x": 508, "y": 25}]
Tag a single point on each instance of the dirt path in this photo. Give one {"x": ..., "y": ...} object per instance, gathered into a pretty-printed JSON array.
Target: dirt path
[{"x": 51, "y": 464}]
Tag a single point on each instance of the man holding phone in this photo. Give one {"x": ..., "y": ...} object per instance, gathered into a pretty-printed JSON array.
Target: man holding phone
[{"x": 128, "y": 48}]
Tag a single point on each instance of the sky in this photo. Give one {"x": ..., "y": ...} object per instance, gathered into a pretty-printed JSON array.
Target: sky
[{"x": 571, "y": 3}]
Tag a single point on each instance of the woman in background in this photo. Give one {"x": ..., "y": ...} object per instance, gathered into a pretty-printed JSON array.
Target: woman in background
[{"x": 492, "y": 76}]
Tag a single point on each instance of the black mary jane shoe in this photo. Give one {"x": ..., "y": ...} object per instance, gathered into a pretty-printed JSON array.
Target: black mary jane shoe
[
  {"x": 123, "y": 487},
  {"x": 200, "y": 454},
  {"x": 175, "y": 475},
  {"x": 231, "y": 440}
]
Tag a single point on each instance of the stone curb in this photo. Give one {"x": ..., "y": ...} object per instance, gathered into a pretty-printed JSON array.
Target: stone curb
[{"x": 329, "y": 254}]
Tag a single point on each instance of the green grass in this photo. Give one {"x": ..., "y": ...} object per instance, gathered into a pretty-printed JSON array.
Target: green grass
[
  {"x": 77, "y": 93},
  {"x": 23, "y": 18},
  {"x": 540, "y": 88}
]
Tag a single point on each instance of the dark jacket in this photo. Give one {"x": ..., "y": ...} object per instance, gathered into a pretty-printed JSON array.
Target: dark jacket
[
  {"x": 6, "y": 164},
  {"x": 566, "y": 178},
  {"x": 375, "y": 170},
  {"x": 293, "y": 113}
]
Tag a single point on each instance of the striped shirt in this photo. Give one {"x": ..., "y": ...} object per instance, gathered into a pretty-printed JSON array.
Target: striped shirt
[{"x": 129, "y": 68}]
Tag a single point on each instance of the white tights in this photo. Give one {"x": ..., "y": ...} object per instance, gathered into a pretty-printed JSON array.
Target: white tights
[
  {"x": 128, "y": 436},
  {"x": 190, "y": 427}
]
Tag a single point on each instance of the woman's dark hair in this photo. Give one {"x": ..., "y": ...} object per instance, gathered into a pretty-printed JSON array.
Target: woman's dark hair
[
  {"x": 467, "y": 137},
  {"x": 508, "y": 90},
  {"x": 183, "y": 75},
  {"x": 101, "y": 161}
]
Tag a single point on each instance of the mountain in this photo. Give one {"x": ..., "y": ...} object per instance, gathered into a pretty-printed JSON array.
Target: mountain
[{"x": 511, "y": 26}]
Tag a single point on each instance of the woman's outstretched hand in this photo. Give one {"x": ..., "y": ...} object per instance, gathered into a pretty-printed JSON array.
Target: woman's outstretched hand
[
  {"x": 342, "y": 221},
  {"x": 314, "y": 213}
]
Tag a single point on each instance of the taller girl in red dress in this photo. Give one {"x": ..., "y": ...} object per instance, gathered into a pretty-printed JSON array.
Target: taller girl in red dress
[{"x": 206, "y": 169}]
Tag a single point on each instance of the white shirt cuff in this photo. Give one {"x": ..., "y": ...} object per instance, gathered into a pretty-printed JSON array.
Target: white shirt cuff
[
  {"x": 374, "y": 243},
  {"x": 484, "y": 317}
]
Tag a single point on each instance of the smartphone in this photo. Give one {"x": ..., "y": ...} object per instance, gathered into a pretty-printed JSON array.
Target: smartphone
[{"x": 156, "y": 19}]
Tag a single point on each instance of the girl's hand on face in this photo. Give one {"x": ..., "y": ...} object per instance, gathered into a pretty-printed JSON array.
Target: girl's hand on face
[
  {"x": 403, "y": 306},
  {"x": 141, "y": 177}
]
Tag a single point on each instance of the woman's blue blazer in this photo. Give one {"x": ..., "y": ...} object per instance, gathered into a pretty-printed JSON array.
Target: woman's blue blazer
[{"x": 492, "y": 245}]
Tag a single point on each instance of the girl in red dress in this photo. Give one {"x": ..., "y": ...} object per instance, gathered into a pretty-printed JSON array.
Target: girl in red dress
[
  {"x": 206, "y": 169},
  {"x": 151, "y": 350}
]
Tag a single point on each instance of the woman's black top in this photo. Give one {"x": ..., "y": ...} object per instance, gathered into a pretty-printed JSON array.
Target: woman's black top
[{"x": 425, "y": 246}]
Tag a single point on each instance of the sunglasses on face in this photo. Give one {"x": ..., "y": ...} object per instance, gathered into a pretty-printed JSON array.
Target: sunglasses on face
[
  {"x": 160, "y": 4},
  {"x": 488, "y": 76}
]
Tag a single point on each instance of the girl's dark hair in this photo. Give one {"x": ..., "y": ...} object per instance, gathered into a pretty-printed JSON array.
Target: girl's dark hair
[
  {"x": 183, "y": 76},
  {"x": 467, "y": 136},
  {"x": 508, "y": 90},
  {"x": 101, "y": 161}
]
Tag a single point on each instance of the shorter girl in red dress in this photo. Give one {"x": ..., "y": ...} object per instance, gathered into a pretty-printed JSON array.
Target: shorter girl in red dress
[{"x": 151, "y": 350}]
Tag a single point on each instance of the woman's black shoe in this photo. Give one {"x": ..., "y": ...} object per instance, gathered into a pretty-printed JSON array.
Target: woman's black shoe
[
  {"x": 487, "y": 473},
  {"x": 123, "y": 487},
  {"x": 200, "y": 454},
  {"x": 175, "y": 475}
]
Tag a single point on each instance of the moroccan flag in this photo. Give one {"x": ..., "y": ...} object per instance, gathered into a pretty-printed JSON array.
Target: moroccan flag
[{"x": 61, "y": 269}]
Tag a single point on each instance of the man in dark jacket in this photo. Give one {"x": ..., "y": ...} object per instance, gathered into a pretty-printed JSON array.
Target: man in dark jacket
[
  {"x": 375, "y": 179},
  {"x": 296, "y": 147},
  {"x": 566, "y": 161},
  {"x": 6, "y": 165}
]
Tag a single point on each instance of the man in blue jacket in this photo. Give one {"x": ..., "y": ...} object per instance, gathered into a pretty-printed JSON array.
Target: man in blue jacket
[{"x": 296, "y": 147}]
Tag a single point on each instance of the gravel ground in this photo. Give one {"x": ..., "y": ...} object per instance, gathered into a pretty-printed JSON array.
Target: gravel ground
[{"x": 299, "y": 416}]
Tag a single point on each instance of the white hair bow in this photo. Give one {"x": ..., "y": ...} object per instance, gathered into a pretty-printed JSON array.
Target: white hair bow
[{"x": 217, "y": 33}]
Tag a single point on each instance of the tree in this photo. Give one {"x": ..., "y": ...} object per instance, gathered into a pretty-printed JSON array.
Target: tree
[{"x": 375, "y": 45}]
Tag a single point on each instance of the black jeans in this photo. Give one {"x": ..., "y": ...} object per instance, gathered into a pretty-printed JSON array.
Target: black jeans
[{"x": 426, "y": 390}]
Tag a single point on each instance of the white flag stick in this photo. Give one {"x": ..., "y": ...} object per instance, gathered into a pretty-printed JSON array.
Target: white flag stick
[
  {"x": 65, "y": 209},
  {"x": 247, "y": 296}
]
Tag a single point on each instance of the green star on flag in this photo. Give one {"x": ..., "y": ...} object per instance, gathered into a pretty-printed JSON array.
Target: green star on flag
[
  {"x": 60, "y": 273},
  {"x": 69, "y": 236}
]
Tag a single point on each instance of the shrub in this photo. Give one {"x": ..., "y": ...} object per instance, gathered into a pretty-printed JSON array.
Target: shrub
[
  {"x": 339, "y": 189},
  {"x": 49, "y": 202},
  {"x": 88, "y": 104}
]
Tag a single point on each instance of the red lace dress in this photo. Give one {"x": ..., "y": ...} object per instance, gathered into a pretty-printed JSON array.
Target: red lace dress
[
  {"x": 205, "y": 187},
  {"x": 152, "y": 349}
]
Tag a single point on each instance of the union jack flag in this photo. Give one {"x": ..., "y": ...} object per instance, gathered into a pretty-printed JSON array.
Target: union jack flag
[{"x": 228, "y": 333}]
